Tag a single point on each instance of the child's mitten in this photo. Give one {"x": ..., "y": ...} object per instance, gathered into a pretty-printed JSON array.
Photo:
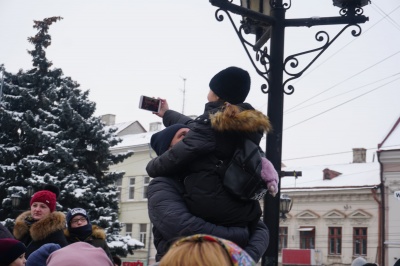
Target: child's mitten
[{"x": 270, "y": 176}]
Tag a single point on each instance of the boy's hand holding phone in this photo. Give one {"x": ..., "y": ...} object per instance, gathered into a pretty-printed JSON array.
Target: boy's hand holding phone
[{"x": 163, "y": 108}]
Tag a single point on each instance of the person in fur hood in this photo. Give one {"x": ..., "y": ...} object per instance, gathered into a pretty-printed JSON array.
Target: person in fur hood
[
  {"x": 42, "y": 224},
  {"x": 212, "y": 138},
  {"x": 79, "y": 229}
]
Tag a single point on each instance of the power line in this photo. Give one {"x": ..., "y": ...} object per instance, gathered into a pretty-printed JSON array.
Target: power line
[
  {"x": 292, "y": 110},
  {"x": 386, "y": 16},
  {"x": 352, "y": 99},
  {"x": 337, "y": 84}
]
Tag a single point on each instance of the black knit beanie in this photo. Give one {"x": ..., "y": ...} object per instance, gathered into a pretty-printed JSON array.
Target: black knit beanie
[
  {"x": 231, "y": 84},
  {"x": 161, "y": 141},
  {"x": 10, "y": 250}
]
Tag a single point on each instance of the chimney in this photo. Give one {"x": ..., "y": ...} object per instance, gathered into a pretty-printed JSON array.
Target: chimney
[
  {"x": 359, "y": 155},
  {"x": 330, "y": 174},
  {"x": 108, "y": 119},
  {"x": 155, "y": 126}
]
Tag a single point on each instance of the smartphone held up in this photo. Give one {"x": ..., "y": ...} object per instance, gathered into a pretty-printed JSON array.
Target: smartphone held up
[{"x": 150, "y": 104}]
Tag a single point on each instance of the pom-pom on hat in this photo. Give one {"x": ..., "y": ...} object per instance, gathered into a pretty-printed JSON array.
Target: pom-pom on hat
[
  {"x": 10, "y": 250},
  {"x": 161, "y": 141},
  {"x": 74, "y": 212},
  {"x": 231, "y": 84},
  {"x": 47, "y": 196}
]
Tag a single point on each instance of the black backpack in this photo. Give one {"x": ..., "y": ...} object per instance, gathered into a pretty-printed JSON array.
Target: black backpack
[{"x": 242, "y": 174}]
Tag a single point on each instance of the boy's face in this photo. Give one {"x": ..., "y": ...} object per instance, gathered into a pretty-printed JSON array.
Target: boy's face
[
  {"x": 212, "y": 97},
  {"x": 179, "y": 135}
]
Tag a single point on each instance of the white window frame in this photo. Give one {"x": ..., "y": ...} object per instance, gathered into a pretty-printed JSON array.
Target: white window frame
[
  {"x": 131, "y": 188},
  {"x": 143, "y": 234},
  {"x": 118, "y": 184},
  {"x": 145, "y": 186},
  {"x": 128, "y": 229}
]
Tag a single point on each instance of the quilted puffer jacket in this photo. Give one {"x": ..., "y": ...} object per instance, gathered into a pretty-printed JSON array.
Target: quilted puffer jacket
[{"x": 171, "y": 220}]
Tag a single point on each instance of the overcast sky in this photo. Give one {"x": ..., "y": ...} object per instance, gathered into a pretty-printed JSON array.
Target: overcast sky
[{"x": 122, "y": 49}]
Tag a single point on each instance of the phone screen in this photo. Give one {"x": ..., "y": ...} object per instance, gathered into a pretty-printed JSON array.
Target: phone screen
[{"x": 150, "y": 104}]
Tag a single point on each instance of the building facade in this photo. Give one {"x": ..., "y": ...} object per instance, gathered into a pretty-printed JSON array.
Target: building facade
[
  {"x": 335, "y": 216},
  {"x": 133, "y": 212},
  {"x": 389, "y": 158}
]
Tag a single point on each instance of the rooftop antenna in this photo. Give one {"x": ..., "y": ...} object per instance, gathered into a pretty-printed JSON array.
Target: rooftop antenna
[{"x": 184, "y": 91}]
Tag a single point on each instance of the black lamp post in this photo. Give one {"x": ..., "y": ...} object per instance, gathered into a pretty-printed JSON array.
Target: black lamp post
[
  {"x": 285, "y": 205},
  {"x": 16, "y": 199},
  {"x": 266, "y": 19}
]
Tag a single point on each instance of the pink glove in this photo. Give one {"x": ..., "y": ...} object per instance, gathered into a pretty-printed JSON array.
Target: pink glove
[{"x": 270, "y": 176}]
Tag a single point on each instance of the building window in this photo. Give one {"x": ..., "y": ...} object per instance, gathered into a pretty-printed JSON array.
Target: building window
[
  {"x": 360, "y": 241},
  {"x": 128, "y": 230},
  {"x": 119, "y": 188},
  {"x": 283, "y": 238},
  {"x": 131, "y": 188},
  {"x": 146, "y": 181},
  {"x": 307, "y": 238},
  {"x": 335, "y": 240},
  {"x": 142, "y": 233}
]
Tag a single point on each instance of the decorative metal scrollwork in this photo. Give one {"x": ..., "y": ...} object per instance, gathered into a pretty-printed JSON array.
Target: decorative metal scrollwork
[
  {"x": 262, "y": 56},
  {"x": 357, "y": 11},
  {"x": 292, "y": 62},
  {"x": 273, "y": 3},
  {"x": 350, "y": 15}
]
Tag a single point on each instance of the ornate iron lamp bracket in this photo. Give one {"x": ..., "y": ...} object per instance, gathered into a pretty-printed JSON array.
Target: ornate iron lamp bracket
[
  {"x": 262, "y": 56},
  {"x": 292, "y": 62},
  {"x": 350, "y": 15}
]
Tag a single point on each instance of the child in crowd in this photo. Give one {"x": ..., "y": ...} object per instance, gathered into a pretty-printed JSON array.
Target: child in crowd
[
  {"x": 212, "y": 139},
  {"x": 172, "y": 219},
  {"x": 79, "y": 229},
  {"x": 12, "y": 252}
]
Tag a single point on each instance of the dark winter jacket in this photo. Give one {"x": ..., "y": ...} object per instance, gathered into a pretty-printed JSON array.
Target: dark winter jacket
[
  {"x": 47, "y": 230},
  {"x": 4, "y": 232},
  {"x": 198, "y": 155},
  {"x": 96, "y": 239},
  {"x": 171, "y": 219}
]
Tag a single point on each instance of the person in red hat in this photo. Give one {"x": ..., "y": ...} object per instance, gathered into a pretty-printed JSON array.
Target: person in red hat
[
  {"x": 42, "y": 224},
  {"x": 12, "y": 252}
]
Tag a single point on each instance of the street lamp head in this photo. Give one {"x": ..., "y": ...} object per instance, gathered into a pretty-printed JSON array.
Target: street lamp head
[
  {"x": 285, "y": 205},
  {"x": 29, "y": 191},
  {"x": 15, "y": 200},
  {"x": 261, "y": 6},
  {"x": 350, "y": 3}
]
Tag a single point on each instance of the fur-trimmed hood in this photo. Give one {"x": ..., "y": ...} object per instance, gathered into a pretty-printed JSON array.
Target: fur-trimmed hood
[
  {"x": 242, "y": 118},
  {"x": 97, "y": 232},
  {"x": 41, "y": 229}
]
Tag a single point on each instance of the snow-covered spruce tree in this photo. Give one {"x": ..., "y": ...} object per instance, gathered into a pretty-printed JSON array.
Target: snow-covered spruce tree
[{"x": 48, "y": 135}]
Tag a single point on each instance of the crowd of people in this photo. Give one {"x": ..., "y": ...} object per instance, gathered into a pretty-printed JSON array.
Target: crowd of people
[
  {"x": 43, "y": 236},
  {"x": 196, "y": 221}
]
